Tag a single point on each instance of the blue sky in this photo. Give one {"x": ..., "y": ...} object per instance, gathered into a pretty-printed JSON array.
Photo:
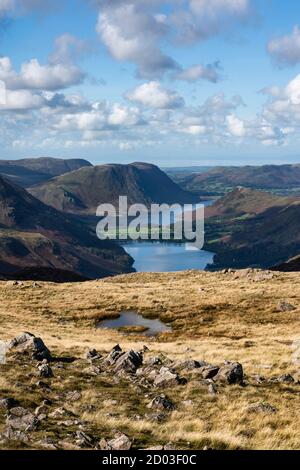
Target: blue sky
[{"x": 182, "y": 82}]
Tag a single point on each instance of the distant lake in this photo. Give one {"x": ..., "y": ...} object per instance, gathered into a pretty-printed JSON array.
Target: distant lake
[{"x": 167, "y": 257}]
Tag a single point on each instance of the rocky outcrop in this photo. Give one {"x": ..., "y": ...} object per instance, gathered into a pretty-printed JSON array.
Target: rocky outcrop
[{"x": 29, "y": 344}]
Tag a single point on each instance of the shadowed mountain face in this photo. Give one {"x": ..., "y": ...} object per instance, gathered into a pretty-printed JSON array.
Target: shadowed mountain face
[
  {"x": 218, "y": 181},
  {"x": 30, "y": 171},
  {"x": 33, "y": 234},
  {"x": 83, "y": 190},
  {"x": 253, "y": 228}
]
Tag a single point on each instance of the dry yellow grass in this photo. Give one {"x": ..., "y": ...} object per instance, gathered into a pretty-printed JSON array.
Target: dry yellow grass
[{"x": 215, "y": 317}]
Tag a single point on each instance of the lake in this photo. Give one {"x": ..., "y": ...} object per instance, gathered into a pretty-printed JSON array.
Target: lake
[{"x": 167, "y": 257}]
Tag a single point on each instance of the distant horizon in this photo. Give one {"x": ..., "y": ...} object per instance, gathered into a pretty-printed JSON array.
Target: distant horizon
[{"x": 162, "y": 165}]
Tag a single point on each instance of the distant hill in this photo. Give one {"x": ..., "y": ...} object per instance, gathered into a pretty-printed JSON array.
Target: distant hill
[
  {"x": 219, "y": 180},
  {"x": 33, "y": 234},
  {"x": 83, "y": 190},
  {"x": 253, "y": 228},
  {"x": 30, "y": 171},
  {"x": 243, "y": 201}
]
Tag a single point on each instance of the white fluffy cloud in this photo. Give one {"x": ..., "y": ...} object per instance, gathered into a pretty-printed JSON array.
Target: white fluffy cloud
[
  {"x": 34, "y": 76},
  {"x": 153, "y": 95},
  {"x": 210, "y": 72},
  {"x": 132, "y": 35},
  {"x": 236, "y": 126},
  {"x": 285, "y": 50},
  {"x": 135, "y": 31}
]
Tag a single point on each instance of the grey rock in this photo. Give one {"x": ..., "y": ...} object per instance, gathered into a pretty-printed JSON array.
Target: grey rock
[
  {"x": 161, "y": 402},
  {"x": 8, "y": 403},
  {"x": 120, "y": 442},
  {"x": 21, "y": 419},
  {"x": 45, "y": 371},
  {"x": 27, "y": 343},
  {"x": 113, "y": 356},
  {"x": 129, "y": 362},
  {"x": 167, "y": 378},
  {"x": 231, "y": 373},
  {"x": 285, "y": 307},
  {"x": 209, "y": 372}
]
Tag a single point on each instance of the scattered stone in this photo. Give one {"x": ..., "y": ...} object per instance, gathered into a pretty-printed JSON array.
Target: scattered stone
[
  {"x": 190, "y": 364},
  {"x": 285, "y": 307},
  {"x": 93, "y": 370},
  {"x": 231, "y": 373},
  {"x": 45, "y": 371},
  {"x": 8, "y": 403},
  {"x": 83, "y": 440},
  {"x": 41, "y": 410},
  {"x": 262, "y": 408},
  {"x": 73, "y": 396},
  {"x": 286, "y": 378},
  {"x": 21, "y": 419},
  {"x": 129, "y": 362},
  {"x": 161, "y": 402},
  {"x": 167, "y": 378},
  {"x": 27, "y": 343},
  {"x": 113, "y": 356},
  {"x": 43, "y": 386},
  {"x": 120, "y": 442},
  {"x": 212, "y": 389},
  {"x": 209, "y": 372},
  {"x": 93, "y": 355}
]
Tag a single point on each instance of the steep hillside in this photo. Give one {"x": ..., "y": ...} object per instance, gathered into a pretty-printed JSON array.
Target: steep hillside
[
  {"x": 83, "y": 190},
  {"x": 218, "y": 181},
  {"x": 30, "y": 171},
  {"x": 35, "y": 235},
  {"x": 251, "y": 228}
]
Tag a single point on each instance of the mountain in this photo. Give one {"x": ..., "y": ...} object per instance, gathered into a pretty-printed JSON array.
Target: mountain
[
  {"x": 220, "y": 180},
  {"x": 245, "y": 202},
  {"x": 30, "y": 171},
  {"x": 252, "y": 228},
  {"x": 33, "y": 234},
  {"x": 83, "y": 190}
]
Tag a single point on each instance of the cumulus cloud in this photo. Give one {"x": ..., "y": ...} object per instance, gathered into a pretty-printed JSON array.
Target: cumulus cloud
[
  {"x": 132, "y": 35},
  {"x": 59, "y": 73},
  {"x": 206, "y": 18},
  {"x": 236, "y": 126},
  {"x": 136, "y": 31},
  {"x": 285, "y": 50},
  {"x": 21, "y": 100},
  {"x": 153, "y": 95},
  {"x": 210, "y": 72}
]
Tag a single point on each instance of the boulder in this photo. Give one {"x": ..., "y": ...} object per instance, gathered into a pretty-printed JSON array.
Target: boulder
[
  {"x": 8, "y": 403},
  {"x": 161, "y": 402},
  {"x": 29, "y": 344},
  {"x": 113, "y": 356},
  {"x": 93, "y": 355},
  {"x": 231, "y": 373},
  {"x": 20, "y": 419},
  {"x": 120, "y": 442},
  {"x": 45, "y": 371},
  {"x": 285, "y": 307},
  {"x": 167, "y": 378},
  {"x": 209, "y": 372},
  {"x": 129, "y": 362}
]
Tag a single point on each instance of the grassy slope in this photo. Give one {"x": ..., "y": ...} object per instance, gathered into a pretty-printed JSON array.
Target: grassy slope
[{"x": 215, "y": 317}]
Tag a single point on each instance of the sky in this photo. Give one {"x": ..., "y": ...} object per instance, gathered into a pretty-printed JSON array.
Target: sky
[{"x": 176, "y": 83}]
